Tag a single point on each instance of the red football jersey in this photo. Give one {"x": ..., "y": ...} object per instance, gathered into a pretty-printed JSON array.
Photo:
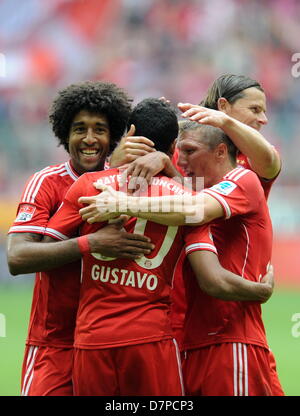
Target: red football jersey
[
  {"x": 56, "y": 292},
  {"x": 244, "y": 244},
  {"x": 125, "y": 302},
  {"x": 178, "y": 295},
  {"x": 241, "y": 160}
]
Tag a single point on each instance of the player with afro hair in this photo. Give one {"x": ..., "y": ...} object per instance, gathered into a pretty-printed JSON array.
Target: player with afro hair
[{"x": 95, "y": 97}]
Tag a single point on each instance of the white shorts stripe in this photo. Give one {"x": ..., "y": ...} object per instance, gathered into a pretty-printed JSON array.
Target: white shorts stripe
[
  {"x": 31, "y": 349},
  {"x": 240, "y": 369},
  {"x": 29, "y": 370},
  {"x": 234, "y": 369},
  {"x": 246, "y": 369},
  {"x": 28, "y": 384},
  {"x": 179, "y": 366}
]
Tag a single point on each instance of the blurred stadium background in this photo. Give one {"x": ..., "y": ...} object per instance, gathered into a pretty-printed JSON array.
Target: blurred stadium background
[{"x": 171, "y": 48}]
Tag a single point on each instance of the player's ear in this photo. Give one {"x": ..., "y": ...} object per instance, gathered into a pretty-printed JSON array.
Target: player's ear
[
  {"x": 171, "y": 149},
  {"x": 221, "y": 151},
  {"x": 222, "y": 104}
]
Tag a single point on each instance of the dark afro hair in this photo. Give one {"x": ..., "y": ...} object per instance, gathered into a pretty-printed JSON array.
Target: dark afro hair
[
  {"x": 96, "y": 97},
  {"x": 156, "y": 120}
]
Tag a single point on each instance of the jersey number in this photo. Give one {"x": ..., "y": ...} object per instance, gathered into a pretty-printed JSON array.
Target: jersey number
[{"x": 145, "y": 262}]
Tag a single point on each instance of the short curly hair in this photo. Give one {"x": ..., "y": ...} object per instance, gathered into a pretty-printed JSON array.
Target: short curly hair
[
  {"x": 96, "y": 97},
  {"x": 156, "y": 120}
]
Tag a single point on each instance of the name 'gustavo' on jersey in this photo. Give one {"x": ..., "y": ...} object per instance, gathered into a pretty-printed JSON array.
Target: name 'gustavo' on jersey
[{"x": 124, "y": 277}]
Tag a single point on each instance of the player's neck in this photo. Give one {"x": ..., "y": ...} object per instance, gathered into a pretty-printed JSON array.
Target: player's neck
[
  {"x": 80, "y": 171},
  {"x": 226, "y": 168}
]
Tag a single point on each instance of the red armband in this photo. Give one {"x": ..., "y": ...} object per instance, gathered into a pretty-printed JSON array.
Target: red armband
[{"x": 83, "y": 244}]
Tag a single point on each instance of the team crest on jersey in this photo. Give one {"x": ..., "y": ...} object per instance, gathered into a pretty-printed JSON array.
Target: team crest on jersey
[
  {"x": 26, "y": 213},
  {"x": 224, "y": 188}
]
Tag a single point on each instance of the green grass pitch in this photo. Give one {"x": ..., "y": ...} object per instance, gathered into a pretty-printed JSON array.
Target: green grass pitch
[{"x": 283, "y": 335}]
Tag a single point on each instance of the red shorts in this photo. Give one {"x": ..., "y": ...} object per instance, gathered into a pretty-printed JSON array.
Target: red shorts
[
  {"x": 152, "y": 369},
  {"x": 230, "y": 369},
  {"x": 47, "y": 371},
  {"x": 276, "y": 386}
]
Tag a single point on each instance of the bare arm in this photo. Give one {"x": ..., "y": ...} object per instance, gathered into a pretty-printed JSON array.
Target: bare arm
[
  {"x": 170, "y": 210},
  {"x": 221, "y": 283},
  {"x": 27, "y": 253},
  {"x": 175, "y": 210},
  {"x": 263, "y": 157}
]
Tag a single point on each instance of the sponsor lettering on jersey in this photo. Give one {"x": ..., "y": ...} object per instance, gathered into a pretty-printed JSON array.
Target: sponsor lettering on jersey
[
  {"x": 25, "y": 213},
  {"x": 165, "y": 183},
  {"x": 124, "y": 277},
  {"x": 108, "y": 180},
  {"x": 224, "y": 188}
]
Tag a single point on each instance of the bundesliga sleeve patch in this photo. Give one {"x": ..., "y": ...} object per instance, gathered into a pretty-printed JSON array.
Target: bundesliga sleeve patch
[
  {"x": 25, "y": 213},
  {"x": 224, "y": 188}
]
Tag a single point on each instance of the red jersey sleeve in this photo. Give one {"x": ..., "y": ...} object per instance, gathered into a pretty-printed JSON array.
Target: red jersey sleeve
[
  {"x": 199, "y": 238},
  {"x": 239, "y": 192},
  {"x": 66, "y": 221},
  {"x": 39, "y": 200},
  {"x": 267, "y": 184}
]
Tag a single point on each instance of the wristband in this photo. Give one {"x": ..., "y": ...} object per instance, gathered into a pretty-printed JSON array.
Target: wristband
[{"x": 83, "y": 244}]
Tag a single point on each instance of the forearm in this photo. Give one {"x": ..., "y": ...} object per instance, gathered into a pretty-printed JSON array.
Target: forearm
[
  {"x": 170, "y": 219},
  {"x": 30, "y": 257},
  {"x": 171, "y": 171},
  {"x": 174, "y": 210},
  {"x": 235, "y": 288},
  {"x": 218, "y": 282},
  {"x": 263, "y": 157}
]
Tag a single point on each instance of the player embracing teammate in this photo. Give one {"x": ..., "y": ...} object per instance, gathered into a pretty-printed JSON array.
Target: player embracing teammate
[
  {"x": 88, "y": 118},
  {"x": 232, "y": 335},
  {"x": 123, "y": 289}
]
